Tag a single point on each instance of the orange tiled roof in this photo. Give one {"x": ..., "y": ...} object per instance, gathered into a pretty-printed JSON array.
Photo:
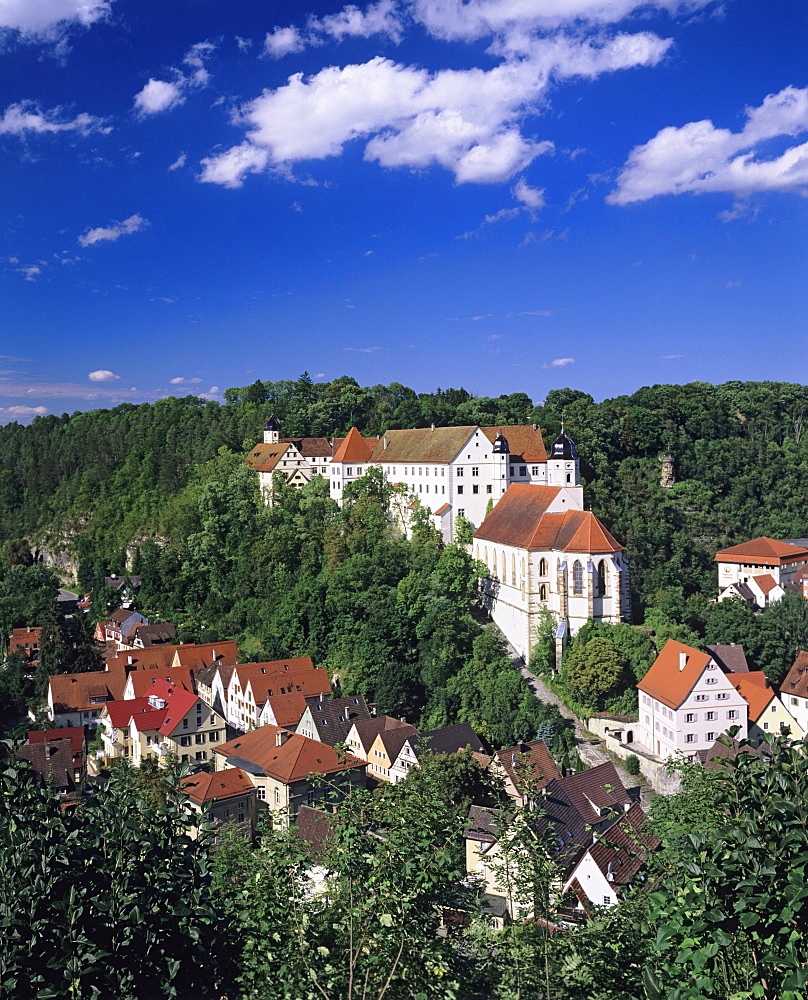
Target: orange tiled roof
[
  {"x": 198, "y": 655},
  {"x": 264, "y": 457},
  {"x": 754, "y": 689},
  {"x": 522, "y": 519},
  {"x": 72, "y": 692},
  {"x": 762, "y": 552},
  {"x": 666, "y": 682},
  {"x": 296, "y": 675},
  {"x": 294, "y": 760},
  {"x": 766, "y": 582},
  {"x": 226, "y": 784},
  {"x": 288, "y": 709},
  {"x": 355, "y": 448},
  {"x": 143, "y": 681}
]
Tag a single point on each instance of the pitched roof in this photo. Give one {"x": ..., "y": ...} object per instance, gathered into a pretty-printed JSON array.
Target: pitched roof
[
  {"x": 201, "y": 654},
  {"x": 73, "y": 692},
  {"x": 52, "y": 759},
  {"x": 422, "y": 444},
  {"x": 731, "y": 658},
  {"x": 73, "y": 733},
  {"x": 209, "y": 787},
  {"x": 143, "y": 681},
  {"x": 394, "y": 739},
  {"x": 524, "y": 442},
  {"x": 152, "y": 635},
  {"x": 755, "y": 690},
  {"x": 295, "y": 674},
  {"x": 766, "y": 583},
  {"x": 294, "y": 760},
  {"x": 621, "y": 851},
  {"x": 264, "y": 457},
  {"x": 666, "y": 680},
  {"x": 763, "y": 551},
  {"x": 725, "y": 749},
  {"x": 448, "y": 739},
  {"x": 368, "y": 729},
  {"x": 530, "y": 763},
  {"x": 317, "y": 447},
  {"x": 141, "y": 659},
  {"x": 333, "y": 717},
  {"x": 314, "y": 826},
  {"x": 121, "y": 712},
  {"x": 354, "y": 448},
  {"x": 523, "y": 518},
  {"x": 796, "y": 681},
  {"x": 287, "y": 709},
  {"x": 482, "y": 824}
]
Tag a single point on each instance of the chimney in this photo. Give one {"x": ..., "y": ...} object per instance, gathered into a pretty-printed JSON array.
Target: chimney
[
  {"x": 129, "y": 661},
  {"x": 214, "y": 654},
  {"x": 433, "y": 427},
  {"x": 384, "y": 442},
  {"x": 281, "y": 737},
  {"x": 682, "y": 659},
  {"x": 535, "y": 427}
]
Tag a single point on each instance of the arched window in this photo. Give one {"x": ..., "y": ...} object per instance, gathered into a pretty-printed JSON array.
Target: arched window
[
  {"x": 485, "y": 557},
  {"x": 513, "y": 569},
  {"x": 569, "y": 478},
  {"x": 542, "y": 568},
  {"x": 542, "y": 593},
  {"x": 601, "y": 578},
  {"x": 577, "y": 578},
  {"x": 504, "y": 568}
]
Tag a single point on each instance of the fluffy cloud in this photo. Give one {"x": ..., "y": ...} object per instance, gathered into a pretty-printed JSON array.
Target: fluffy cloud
[
  {"x": 12, "y": 412},
  {"x": 698, "y": 157},
  {"x": 28, "y": 117},
  {"x": 103, "y": 375},
  {"x": 530, "y": 197},
  {"x": 283, "y": 41},
  {"x": 45, "y": 18},
  {"x": 559, "y": 363},
  {"x": 466, "y": 121},
  {"x": 184, "y": 381},
  {"x": 113, "y": 231},
  {"x": 163, "y": 95}
]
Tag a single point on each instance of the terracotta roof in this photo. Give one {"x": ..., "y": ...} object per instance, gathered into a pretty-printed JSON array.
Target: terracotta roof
[
  {"x": 442, "y": 509},
  {"x": 197, "y": 655},
  {"x": 296, "y": 674},
  {"x": 178, "y": 702},
  {"x": 354, "y": 448},
  {"x": 731, "y": 658},
  {"x": 621, "y": 851},
  {"x": 333, "y": 717},
  {"x": 796, "y": 681},
  {"x": 530, "y": 763},
  {"x": 524, "y": 443},
  {"x": 755, "y": 690},
  {"x": 288, "y": 709},
  {"x": 368, "y": 729},
  {"x": 522, "y": 518},
  {"x": 665, "y": 681},
  {"x": 120, "y": 712},
  {"x": 294, "y": 760},
  {"x": 763, "y": 552},
  {"x": 226, "y": 784},
  {"x": 766, "y": 582},
  {"x": 72, "y": 692},
  {"x": 129, "y": 660},
  {"x": 143, "y": 681},
  {"x": 422, "y": 444},
  {"x": 264, "y": 457}
]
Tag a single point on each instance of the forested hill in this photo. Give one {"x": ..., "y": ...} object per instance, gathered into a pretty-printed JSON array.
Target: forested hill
[{"x": 100, "y": 482}]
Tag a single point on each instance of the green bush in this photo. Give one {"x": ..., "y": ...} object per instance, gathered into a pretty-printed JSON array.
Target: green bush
[{"x": 633, "y": 764}]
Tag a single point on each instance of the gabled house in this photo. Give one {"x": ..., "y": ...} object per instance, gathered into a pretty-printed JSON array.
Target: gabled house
[
  {"x": 142, "y": 636},
  {"x": 25, "y": 641},
  {"x": 362, "y": 734},
  {"x": 139, "y": 683},
  {"x": 526, "y": 769},
  {"x": 730, "y": 657},
  {"x": 544, "y": 553},
  {"x": 282, "y": 766},
  {"x": 761, "y": 570},
  {"x": 58, "y": 756},
  {"x": 686, "y": 702},
  {"x": 447, "y": 739},
  {"x": 225, "y": 798},
  {"x": 297, "y": 460},
  {"x": 766, "y": 713},
  {"x": 385, "y": 750},
  {"x": 253, "y": 685},
  {"x": 794, "y": 691},
  {"x": 119, "y": 624},
  {"x": 77, "y": 699},
  {"x": 329, "y": 720},
  {"x": 609, "y": 867}
]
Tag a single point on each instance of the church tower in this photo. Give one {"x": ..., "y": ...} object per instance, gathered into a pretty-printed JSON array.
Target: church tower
[
  {"x": 272, "y": 431},
  {"x": 563, "y": 467}
]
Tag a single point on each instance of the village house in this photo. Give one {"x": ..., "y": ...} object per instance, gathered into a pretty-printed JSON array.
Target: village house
[
  {"x": 226, "y": 799},
  {"x": 362, "y": 734},
  {"x": 253, "y": 686},
  {"x": 794, "y": 691},
  {"x": 119, "y": 624},
  {"x": 169, "y": 720},
  {"x": 25, "y": 642},
  {"x": 77, "y": 699},
  {"x": 685, "y": 703},
  {"x": 296, "y": 460},
  {"x": 447, "y": 739},
  {"x": 545, "y": 554},
  {"x": 143, "y": 636},
  {"x": 329, "y": 720},
  {"x": 385, "y": 749},
  {"x": 762, "y": 570},
  {"x": 766, "y": 713},
  {"x": 283, "y": 766},
  {"x": 58, "y": 756},
  {"x": 525, "y": 769}
]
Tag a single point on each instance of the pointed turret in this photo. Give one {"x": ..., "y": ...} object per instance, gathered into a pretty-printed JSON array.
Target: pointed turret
[{"x": 272, "y": 431}]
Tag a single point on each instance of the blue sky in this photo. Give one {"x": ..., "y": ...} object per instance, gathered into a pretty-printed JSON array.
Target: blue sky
[{"x": 509, "y": 195}]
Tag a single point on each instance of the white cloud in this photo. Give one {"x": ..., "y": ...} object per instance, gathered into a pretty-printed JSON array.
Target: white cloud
[
  {"x": 45, "y": 19},
  {"x": 196, "y": 57},
  {"x": 698, "y": 157},
  {"x": 381, "y": 18},
  {"x": 158, "y": 96},
  {"x": 466, "y": 121},
  {"x": 30, "y": 273},
  {"x": 361, "y": 350},
  {"x": 23, "y": 411},
  {"x": 114, "y": 231},
  {"x": 283, "y": 41},
  {"x": 27, "y": 116},
  {"x": 179, "y": 162},
  {"x": 671, "y": 357},
  {"x": 531, "y": 197},
  {"x": 103, "y": 375},
  {"x": 184, "y": 381},
  {"x": 559, "y": 363}
]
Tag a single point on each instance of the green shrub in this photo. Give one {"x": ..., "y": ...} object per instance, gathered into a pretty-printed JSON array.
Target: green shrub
[{"x": 633, "y": 764}]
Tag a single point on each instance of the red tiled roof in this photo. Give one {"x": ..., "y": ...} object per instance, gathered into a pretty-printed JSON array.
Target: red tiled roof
[
  {"x": 442, "y": 509},
  {"x": 762, "y": 552},
  {"x": 73, "y": 733},
  {"x": 754, "y": 689},
  {"x": 796, "y": 681},
  {"x": 264, "y": 457},
  {"x": 121, "y": 712},
  {"x": 197, "y": 655},
  {"x": 665, "y": 681},
  {"x": 766, "y": 582},
  {"x": 294, "y": 760},
  {"x": 208, "y": 787},
  {"x": 143, "y": 680},
  {"x": 621, "y": 851},
  {"x": 528, "y": 764},
  {"x": 72, "y": 692},
  {"x": 288, "y": 709},
  {"x": 355, "y": 448},
  {"x": 522, "y": 518},
  {"x": 295, "y": 675}
]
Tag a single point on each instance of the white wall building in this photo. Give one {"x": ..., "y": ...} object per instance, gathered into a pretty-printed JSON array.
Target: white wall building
[{"x": 760, "y": 571}]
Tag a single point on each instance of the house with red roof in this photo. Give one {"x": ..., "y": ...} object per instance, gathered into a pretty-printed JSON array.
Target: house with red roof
[
  {"x": 226, "y": 799},
  {"x": 794, "y": 690},
  {"x": 285, "y": 768},
  {"x": 543, "y": 551},
  {"x": 57, "y": 755},
  {"x": 762, "y": 570},
  {"x": 296, "y": 460},
  {"x": 766, "y": 712},
  {"x": 686, "y": 702},
  {"x": 260, "y": 694},
  {"x": 25, "y": 641},
  {"x": 169, "y": 719}
]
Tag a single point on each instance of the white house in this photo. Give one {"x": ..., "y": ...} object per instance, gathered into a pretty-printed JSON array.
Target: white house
[
  {"x": 296, "y": 459},
  {"x": 794, "y": 691},
  {"x": 760, "y": 571},
  {"x": 686, "y": 703}
]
